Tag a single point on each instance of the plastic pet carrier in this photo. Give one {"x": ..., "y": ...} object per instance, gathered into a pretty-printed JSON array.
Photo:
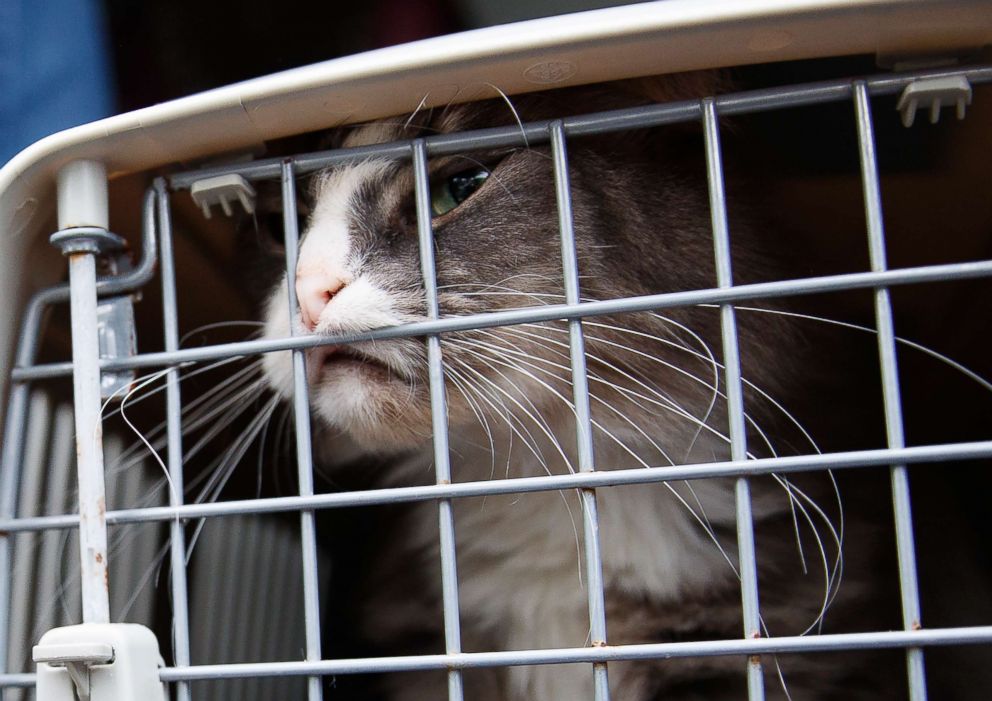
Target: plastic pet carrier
[{"x": 170, "y": 527}]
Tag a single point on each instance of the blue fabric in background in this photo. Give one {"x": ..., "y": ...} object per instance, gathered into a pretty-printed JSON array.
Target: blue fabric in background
[{"x": 55, "y": 69}]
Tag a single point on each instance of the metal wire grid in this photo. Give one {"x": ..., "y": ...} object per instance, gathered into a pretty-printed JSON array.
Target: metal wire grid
[{"x": 157, "y": 221}]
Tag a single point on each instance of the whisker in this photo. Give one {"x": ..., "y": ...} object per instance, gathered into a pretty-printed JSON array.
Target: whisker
[
  {"x": 219, "y": 325},
  {"x": 224, "y": 467},
  {"x": 459, "y": 382},
  {"x": 188, "y": 408},
  {"x": 513, "y": 110},
  {"x": 664, "y": 401},
  {"x": 420, "y": 105},
  {"x": 967, "y": 372},
  {"x": 703, "y": 524},
  {"x": 531, "y": 445},
  {"x": 154, "y": 453},
  {"x": 596, "y": 378},
  {"x": 550, "y": 367},
  {"x": 669, "y": 404}
]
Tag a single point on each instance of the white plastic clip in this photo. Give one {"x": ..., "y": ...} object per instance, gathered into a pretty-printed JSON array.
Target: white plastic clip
[
  {"x": 77, "y": 658},
  {"x": 99, "y": 662},
  {"x": 935, "y": 93},
  {"x": 222, "y": 190}
]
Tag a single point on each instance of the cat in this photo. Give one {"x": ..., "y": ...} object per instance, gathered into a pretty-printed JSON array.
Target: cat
[{"x": 642, "y": 226}]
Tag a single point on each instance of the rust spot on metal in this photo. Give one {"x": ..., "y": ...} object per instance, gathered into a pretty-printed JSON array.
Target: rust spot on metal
[
  {"x": 917, "y": 625},
  {"x": 599, "y": 643},
  {"x": 756, "y": 635},
  {"x": 101, "y": 507},
  {"x": 754, "y": 659},
  {"x": 444, "y": 482},
  {"x": 99, "y": 558}
]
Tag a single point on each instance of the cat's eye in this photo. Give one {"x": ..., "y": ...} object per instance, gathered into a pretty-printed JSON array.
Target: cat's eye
[{"x": 455, "y": 189}]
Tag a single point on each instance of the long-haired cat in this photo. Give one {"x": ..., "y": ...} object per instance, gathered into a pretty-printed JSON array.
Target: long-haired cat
[{"x": 642, "y": 226}]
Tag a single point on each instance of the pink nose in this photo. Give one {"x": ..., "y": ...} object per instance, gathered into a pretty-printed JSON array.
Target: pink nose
[{"x": 314, "y": 290}]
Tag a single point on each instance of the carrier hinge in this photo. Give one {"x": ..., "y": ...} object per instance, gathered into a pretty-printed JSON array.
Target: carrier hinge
[{"x": 116, "y": 334}]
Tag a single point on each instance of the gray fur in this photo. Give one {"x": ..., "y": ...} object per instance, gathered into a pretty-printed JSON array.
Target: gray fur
[{"x": 642, "y": 226}]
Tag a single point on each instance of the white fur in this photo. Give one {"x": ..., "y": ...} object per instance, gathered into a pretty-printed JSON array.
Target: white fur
[
  {"x": 327, "y": 244},
  {"x": 326, "y": 264},
  {"x": 526, "y": 586},
  {"x": 519, "y": 557},
  {"x": 348, "y": 395}
]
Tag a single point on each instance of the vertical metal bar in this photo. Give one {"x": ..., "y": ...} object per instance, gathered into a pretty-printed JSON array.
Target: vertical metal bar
[
  {"x": 583, "y": 419},
  {"x": 174, "y": 437},
  {"x": 439, "y": 418},
  {"x": 89, "y": 439},
  {"x": 892, "y": 402},
  {"x": 304, "y": 454},
  {"x": 16, "y": 417},
  {"x": 82, "y": 205},
  {"x": 735, "y": 398},
  {"x": 10, "y": 469},
  {"x": 10, "y": 474}
]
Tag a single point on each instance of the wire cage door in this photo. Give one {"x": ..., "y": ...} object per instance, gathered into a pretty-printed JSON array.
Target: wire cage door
[{"x": 83, "y": 234}]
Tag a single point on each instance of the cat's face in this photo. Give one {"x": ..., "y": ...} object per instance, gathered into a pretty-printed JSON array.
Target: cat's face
[{"x": 640, "y": 226}]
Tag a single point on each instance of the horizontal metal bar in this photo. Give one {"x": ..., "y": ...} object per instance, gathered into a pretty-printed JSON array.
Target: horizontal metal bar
[
  {"x": 761, "y": 290},
  {"x": 706, "y": 648},
  {"x": 597, "y": 123},
  {"x": 835, "y": 642},
  {"x": 605, "y": 478},
  {"x": 25, "y": 680}
]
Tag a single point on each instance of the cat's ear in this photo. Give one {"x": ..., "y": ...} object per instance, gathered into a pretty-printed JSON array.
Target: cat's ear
[{"x": 676, "y": 87}]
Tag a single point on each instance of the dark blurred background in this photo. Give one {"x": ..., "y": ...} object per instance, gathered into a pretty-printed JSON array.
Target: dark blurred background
[{"x": 67, "y": 62}]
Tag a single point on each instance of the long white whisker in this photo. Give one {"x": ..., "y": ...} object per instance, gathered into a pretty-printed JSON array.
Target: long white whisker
[
  {"x": 516, "y": 115},
  {"x": 423, "y": 101},
  {"x": 524, "y": 359},
  {"x": 541, "y": 424},
  {"x": 532, "y": 446},
  {"x": 970, "y": 374},
  {"x": 158, "y": 459},
  {"x": 664, "y": 401},
  {"x": 460, "y": 384},
  {"x": 667, "y": 404},
  {"x": 189, "y": 409},
  {"x": 540, "y": 297},
  {"x": 226, "y": 465},
  {"x": 623, "y": 446}
]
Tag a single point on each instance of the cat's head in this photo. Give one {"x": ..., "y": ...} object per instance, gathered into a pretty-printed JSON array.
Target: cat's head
[{"x": 641, "y": 226}]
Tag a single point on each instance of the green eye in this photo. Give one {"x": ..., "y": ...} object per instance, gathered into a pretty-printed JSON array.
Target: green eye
[{"x": 451, "y": 192}]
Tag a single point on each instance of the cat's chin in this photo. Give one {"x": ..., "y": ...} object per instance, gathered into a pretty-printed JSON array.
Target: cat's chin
[{"x": 379, "y": 411}]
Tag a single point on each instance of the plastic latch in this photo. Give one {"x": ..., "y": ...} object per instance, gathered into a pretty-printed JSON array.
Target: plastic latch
[
  {"x": 223, "y": 190},
  {"x": 934, "y": 93},
  {"x": 99, "y": 662},
  {"x": 77, "y": 658}
]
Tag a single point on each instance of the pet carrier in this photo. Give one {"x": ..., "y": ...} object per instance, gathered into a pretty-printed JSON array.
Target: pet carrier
[{"x": 238, "y": 586}]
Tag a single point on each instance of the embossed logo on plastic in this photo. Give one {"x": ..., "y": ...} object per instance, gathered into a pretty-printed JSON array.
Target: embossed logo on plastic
[{"x": 550, "y": 72}]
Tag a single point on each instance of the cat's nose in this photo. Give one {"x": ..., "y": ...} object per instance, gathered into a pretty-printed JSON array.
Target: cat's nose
[{"x": 314, "y": 290}]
